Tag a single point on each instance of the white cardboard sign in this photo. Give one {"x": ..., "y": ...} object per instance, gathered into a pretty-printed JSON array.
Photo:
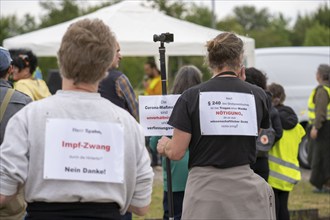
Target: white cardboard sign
[
  {"x": 84, "y": 151},
  {"x": 155, "y": 112},
  {"x": 227, "y": 113}
]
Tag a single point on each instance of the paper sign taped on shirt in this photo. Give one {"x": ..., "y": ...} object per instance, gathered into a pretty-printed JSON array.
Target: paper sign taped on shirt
[
  {"x": 84, "y": 151},
  {"x": 155, "y": 112},
  {"x": 227, "y": 113}
]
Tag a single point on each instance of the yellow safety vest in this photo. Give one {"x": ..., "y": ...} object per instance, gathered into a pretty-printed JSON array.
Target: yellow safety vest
[
  {"x": 284, "y": 171},
  {"x": 154, "y": 87},
  {"x": 311, "y": 106}
]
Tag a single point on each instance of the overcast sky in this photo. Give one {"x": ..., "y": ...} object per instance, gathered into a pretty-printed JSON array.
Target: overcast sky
[{"x": 223, "y": 8}]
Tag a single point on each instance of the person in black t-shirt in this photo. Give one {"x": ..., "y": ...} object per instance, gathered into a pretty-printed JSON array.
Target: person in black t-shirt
[
  {"x": 258, "y": 78},
  {"x": 221, "y": 136}
]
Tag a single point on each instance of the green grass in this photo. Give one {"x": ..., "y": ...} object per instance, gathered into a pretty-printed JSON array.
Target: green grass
[
  {"x": 156, "y": 207},
  {"x": 300, "y": 198}
]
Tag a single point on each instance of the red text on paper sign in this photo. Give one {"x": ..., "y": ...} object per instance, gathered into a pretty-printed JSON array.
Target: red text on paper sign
[
  {"x": 85, "y": 145},
  {"x": 228, "y": 113}
]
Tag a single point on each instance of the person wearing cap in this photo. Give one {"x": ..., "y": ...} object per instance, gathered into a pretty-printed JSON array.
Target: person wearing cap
[
  {"x": 83, "y": 157},
  {"x": 11, "y": 102},
  {"x": 24, "y": 65}
]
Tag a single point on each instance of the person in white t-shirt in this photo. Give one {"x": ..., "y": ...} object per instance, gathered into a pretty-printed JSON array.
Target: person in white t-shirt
[{"x": 83, "y": 157}]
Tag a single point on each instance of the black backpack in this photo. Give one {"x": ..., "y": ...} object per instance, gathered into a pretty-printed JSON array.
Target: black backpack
[{"x": 266, "y": 139}]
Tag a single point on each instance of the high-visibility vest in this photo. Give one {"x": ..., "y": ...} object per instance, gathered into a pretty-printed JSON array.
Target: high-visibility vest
[
  {"x": 284, "y": 171},
  {"x": 154, "y": 87},
  {"x": 311, "y": 106}
]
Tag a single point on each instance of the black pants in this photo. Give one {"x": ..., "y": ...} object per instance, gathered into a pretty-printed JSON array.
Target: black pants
[
  {"x": 261, "y": 167},
  {"x": 74, "y": 210},
  {"x": 127, "y": 216},
  {"x": 321, "y": 153},
  {"x": 281, "y": 204},
  {"x": 177, "y": 205}
]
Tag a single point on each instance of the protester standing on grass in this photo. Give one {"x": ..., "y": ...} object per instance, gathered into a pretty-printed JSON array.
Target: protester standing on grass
[
  {"x": 221, "y": 184},
  {"x": 187, "y": 76},
  {"x": 256, "y": 77},
  {"x": 319, "y": 115},
  {"x": 283, "y": 157},
  {"x": 11, "y": 102},
  {"x": 93, "y": 131},
  {"x": 152, "y": 84}
]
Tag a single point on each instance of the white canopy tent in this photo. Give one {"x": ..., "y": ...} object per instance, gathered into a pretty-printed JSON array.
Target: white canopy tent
[{"x": 134, "y": 26}]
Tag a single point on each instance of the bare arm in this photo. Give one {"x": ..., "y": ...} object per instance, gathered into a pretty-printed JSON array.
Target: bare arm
[
  {"x": 138, "y": 211},
  {"x": 141, "y": 198},
  {"x": 176, "y": 147},
  {"x": 313, "y": 133},
  {"x": 5, "y": 199}
]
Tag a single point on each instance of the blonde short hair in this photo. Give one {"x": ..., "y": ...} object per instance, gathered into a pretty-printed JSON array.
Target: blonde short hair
[
  {"x": 226, "y": 49},
  {"x": 87, "y": 51}
]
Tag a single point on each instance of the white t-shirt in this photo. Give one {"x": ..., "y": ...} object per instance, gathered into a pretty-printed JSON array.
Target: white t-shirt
[{"x": 22, "y": 153}]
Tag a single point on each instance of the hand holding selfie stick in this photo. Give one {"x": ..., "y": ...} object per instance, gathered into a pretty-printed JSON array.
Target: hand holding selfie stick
[{"x": 166, "y": 38}]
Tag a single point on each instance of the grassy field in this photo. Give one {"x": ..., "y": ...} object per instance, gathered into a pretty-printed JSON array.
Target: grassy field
[
  {"x": 156, "y": 207},
  {"x": 301, "y": 198}
]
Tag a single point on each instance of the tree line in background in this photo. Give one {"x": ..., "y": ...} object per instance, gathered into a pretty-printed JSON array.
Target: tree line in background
[{"x": 268, "y": 30}]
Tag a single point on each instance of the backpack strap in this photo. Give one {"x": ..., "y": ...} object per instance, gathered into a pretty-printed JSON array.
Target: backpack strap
[{"x": 5, "y": 102}]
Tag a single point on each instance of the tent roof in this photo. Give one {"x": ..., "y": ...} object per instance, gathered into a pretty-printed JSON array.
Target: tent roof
[{"x": 134, "y": 26}]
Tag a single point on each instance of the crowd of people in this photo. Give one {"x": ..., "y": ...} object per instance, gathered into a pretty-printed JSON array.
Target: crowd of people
[
  {"x": 79, "y": 107},
  {"x": 50, "y": 164}
]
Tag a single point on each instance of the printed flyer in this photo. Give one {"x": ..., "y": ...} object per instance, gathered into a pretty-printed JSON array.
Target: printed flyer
[
  {"x": 227, "y": 113},
  {"x": 155, "y": 112},
  {"x": 84, "y": 151}
]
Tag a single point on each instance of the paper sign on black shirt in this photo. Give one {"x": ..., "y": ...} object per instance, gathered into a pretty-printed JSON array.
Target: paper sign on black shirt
[{"x": 227, "y": 113}]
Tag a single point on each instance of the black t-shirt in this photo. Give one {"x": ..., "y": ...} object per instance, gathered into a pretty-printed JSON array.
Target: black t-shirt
[{"x": 221, "y": 151}]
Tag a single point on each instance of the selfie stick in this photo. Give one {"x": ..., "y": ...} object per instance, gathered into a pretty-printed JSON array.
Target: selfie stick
[{"x": 164, "y": 92}]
